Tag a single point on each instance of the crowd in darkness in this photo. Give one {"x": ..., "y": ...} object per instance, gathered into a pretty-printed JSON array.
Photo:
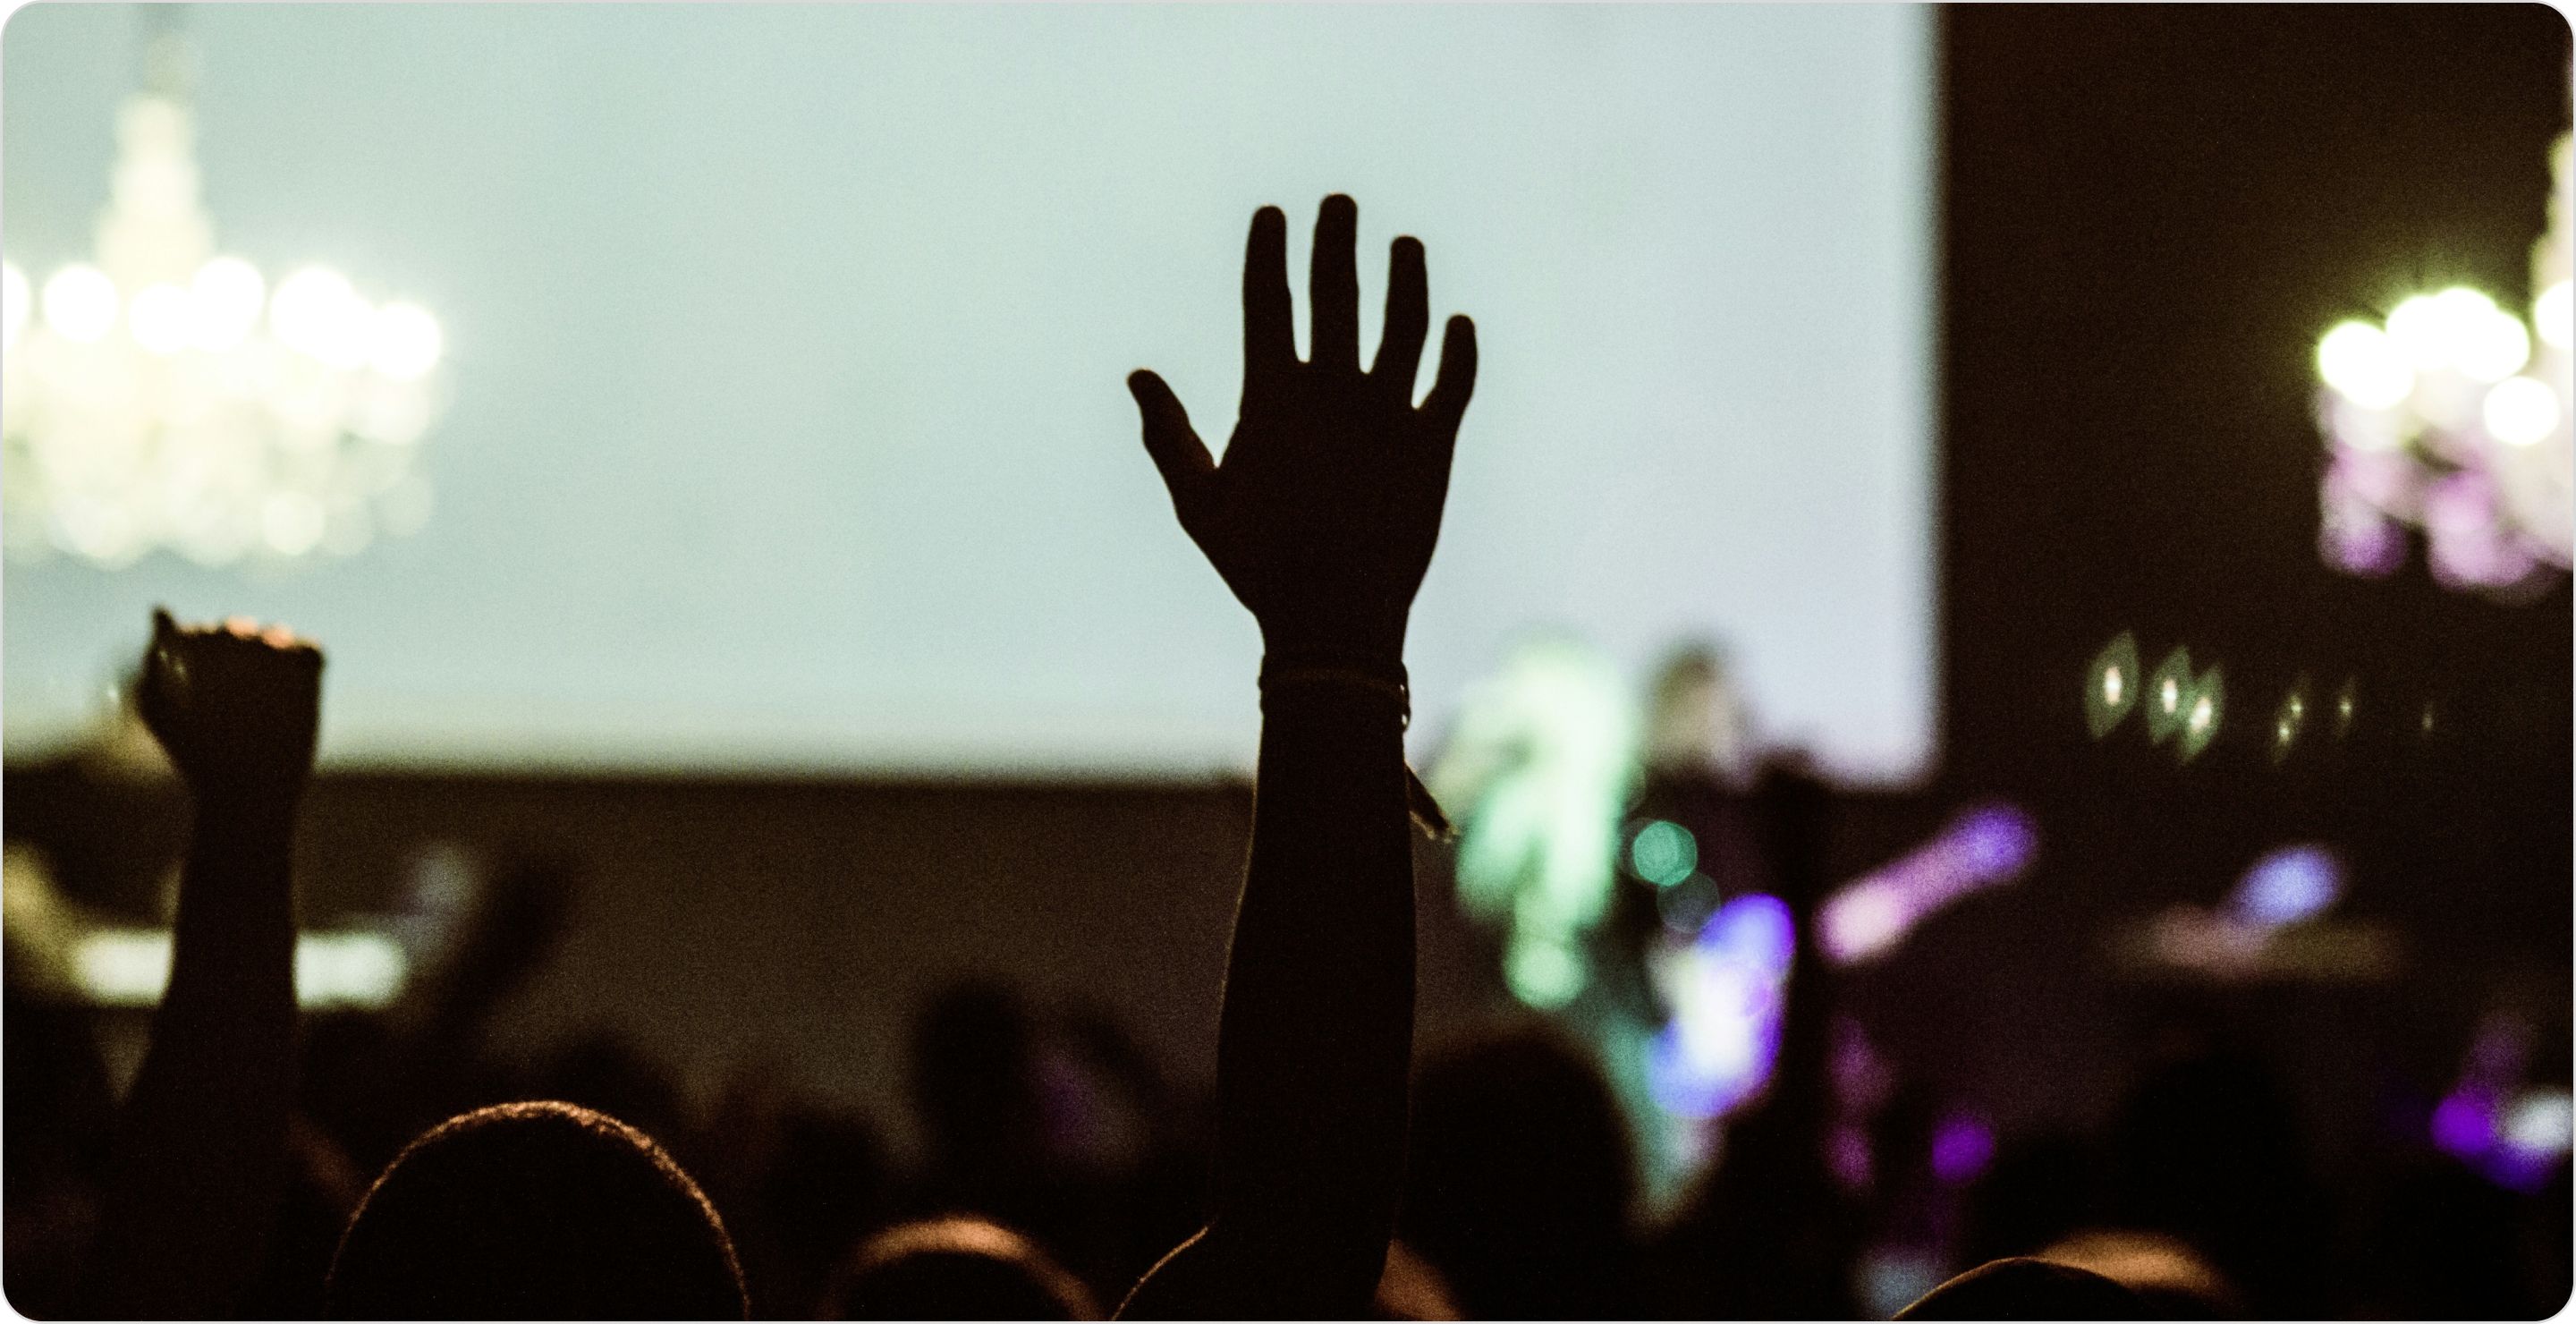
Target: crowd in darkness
[{"x": 267, "y": 1163}]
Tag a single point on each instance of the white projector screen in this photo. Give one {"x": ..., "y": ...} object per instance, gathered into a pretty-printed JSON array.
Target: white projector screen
[{"x": 787, "y": 349}]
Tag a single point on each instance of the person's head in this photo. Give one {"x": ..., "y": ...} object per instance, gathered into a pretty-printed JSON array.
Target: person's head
[
  {"x": 974, "y": 1076},
  {"x": 535, "y": 1211},
  {"x": 2023, "y": 1288},
  {"x": 955, "y": 1268},
  {"x": 1520, "y": 1176}
]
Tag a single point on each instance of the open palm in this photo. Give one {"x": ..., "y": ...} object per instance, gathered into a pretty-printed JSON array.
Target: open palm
[{"x": 1324, "y": 514}]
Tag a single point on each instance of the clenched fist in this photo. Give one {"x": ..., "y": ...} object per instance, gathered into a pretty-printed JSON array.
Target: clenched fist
[{"x": 235, "y": 705}]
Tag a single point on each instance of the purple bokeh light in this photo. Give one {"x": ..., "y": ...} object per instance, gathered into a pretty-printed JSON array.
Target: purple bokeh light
[
  {"x": 1962, "y": 1146},
  {"x": 1996, "y": 842},
  {"x": 2287, "y": 886},
  {"x": 1718, "y": 1049}
]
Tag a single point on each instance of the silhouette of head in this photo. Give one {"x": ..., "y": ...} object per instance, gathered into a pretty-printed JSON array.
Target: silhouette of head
[
  {"x": 974, "y": 1082},
  {"x": 955, "y": 1268},
  {"x": 2031, "y": 1289},
  {"x": 535, "y": 1211},
  {"x": 1520, "y": 1178}
]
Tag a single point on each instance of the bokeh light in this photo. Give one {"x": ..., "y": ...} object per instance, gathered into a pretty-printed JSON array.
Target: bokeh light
[
  {"x": 1962, "y": 1146},
  {"x": 2111, "y": 685},
  {"x": 2290, "y": 720},
  {"x": 2205, "y": 709},
  {"x": 228, "y": 294},
  {"x": 315, "y": 312},
  {"x": 2365, "y": 365},
  {"x": 350, "y": 968},
  {"x": 1663, "y": 853},
  {"x": 2169, "y": 694},
  {"x": 404, "y": 341},
  {"x": 1987, "y": 846},
  {"x": 161, "y": 318},
  {"x": 1726, "y": 990},
  {"x": 2495, "y": 347},
  {"x": 2288, "y": 886},
  {"x": 2551, "y": 314},
  {"x": 80, "y": 303},
  {"x": 2520, "y": 411}
]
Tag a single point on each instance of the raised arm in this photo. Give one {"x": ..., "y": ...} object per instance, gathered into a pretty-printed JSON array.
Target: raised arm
[
  {"x": 1321, "y": 519},
  {"x": 197, "y": 1159}
]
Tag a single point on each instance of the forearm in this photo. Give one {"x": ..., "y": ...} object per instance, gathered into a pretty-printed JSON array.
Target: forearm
[
  {"x": 1316, "y": 1038},
  {"x": 1318, "y": 1022},
  {"x": 196, "y": 1164}
]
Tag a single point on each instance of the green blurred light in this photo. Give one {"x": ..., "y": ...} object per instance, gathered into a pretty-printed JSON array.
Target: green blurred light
[
  {"x": 2111, "y": 685},
  {"x": 2169, "y": 695},
  {"x": 2204, "y": 706},
  {"x": 1543, "y": 975},
  {"x": 1663, "y": 853}
]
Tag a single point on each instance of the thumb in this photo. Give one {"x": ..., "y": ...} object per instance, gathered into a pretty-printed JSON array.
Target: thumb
[{"x": 1176, "y": 449}]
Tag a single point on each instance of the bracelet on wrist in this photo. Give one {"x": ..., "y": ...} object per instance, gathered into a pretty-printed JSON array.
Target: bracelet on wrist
[{"x": 1385, "y": 678}]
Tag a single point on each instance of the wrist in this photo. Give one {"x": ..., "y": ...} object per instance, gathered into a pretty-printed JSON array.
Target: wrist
[{"x": 1364, "y": 680}]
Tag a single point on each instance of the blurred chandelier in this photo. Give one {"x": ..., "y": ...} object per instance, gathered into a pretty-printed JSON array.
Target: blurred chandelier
[
  {"x": 2448, "y": 417},
  {"x": 165, "y": 396}
]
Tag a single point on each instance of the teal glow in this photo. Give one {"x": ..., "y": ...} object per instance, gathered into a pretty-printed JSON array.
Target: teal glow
[
  {"x": 1538, "y": 766},
  {"x": 1663, "y": 853},
  {"x": 1543, "y": 975}
]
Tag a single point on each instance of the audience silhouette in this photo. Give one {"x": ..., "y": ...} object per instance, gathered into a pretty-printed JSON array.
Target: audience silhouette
[{"x": 1057, "y": 1170}]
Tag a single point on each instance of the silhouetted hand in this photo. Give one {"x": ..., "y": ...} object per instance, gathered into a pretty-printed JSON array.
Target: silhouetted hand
[
  {"x": 235, "y": 706},
  {"x": 1323, "y": 515}
]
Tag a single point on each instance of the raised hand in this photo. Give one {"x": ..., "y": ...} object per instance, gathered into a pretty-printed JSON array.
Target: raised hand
[
  {"x": 236, "y": 706},
  {"x": 1323, "y": 516},
  {"x": 1321, "y": 520},
  {"x": 200, "y": 1151}
]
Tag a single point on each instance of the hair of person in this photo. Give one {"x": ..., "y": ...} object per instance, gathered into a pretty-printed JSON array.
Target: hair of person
[
  {"x": 955, "y": 1268},
  {"x": 2025, "y": 1288},
  {"x": 540, "y": 1210}
]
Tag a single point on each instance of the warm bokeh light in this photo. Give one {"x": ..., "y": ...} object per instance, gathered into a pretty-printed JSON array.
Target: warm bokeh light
[
  {"x": 130, "y": 967},
  {"x": 2365, "y": 365},
  {"x": 2290, "y": 720},
  {"x": 2520, "y": 411},
  {"x": 2551, "y": 314},
  {"x": 315, "y": 312},
  {"x": 228, "y": 293},
  {"x": 80, "y": 303},
  {"x": 404, "y": 341},
  {"x": 2493, "y": 348},
  {"x": 291, "y": 523},
  {"x": 161, "y": 318},
  {"x": 2416, "y": 328}
]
